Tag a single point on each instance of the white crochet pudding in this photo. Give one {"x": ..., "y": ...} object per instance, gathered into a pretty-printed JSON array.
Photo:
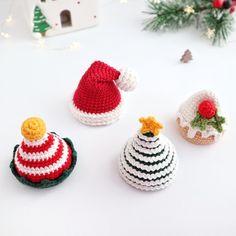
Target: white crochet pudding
[{"x": 199, "y": 118}]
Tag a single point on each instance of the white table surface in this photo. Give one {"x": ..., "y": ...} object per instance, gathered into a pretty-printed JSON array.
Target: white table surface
[{"x": 94, "y": 200}]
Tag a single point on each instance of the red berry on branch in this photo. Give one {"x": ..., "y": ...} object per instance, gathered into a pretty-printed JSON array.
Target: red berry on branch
[
  {"x": 232, "y": 9},
  {"x": 218, "y": 3},
  {"x": 207, "y": 109},
  {"x": 227, "y": 4}
]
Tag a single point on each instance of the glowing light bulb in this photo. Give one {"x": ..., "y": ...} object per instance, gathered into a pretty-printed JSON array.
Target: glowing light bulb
[
  {"x": 9, "y": 19},
  {"x": 41, "y": 43},
  {"x": 5, "y": 35},
  {"x": 74, "y": 45}
]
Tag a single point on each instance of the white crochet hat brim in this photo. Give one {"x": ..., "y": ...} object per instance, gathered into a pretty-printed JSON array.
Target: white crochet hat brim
[{"x": 93, "y": 119}]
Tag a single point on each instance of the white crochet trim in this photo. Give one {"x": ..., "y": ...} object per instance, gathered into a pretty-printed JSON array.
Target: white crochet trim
[
  {"x": 47, "y": 169},
  {"x": 149, "y": 159},
  {"x": 147, "y": 176},
  {"x": 148, "y": 188},
  {"x": 148, "y": 151},
  {"x": 39, "y": 156},
  {"x": 153, "y": 145},
  {"x": 188, "y": 110},
  {"x": 210, "y": 131},
  {"x": 165, "y": 171},
  {"x": 127, "y": 80},
  {"x": 96, "y": 119},
  {"x": 149, "y": 139},
  {"x": 148, "y": 167},
  {"x": 146, "y": 183},
  {"x": 36, "y": 143}
]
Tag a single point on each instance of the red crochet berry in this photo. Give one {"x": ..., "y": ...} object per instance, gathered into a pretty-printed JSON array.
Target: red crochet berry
[
  {"x": 207, "y": 109},
  {"x": 217, "y": 3}
]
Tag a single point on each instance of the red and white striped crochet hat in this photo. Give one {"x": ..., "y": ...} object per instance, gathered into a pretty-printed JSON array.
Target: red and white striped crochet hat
[
  {"x": 42, "y": 159},
  {"x": 97, "y": 99}
]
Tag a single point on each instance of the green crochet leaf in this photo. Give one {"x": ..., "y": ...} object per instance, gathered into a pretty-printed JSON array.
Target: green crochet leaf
[
  {"x": 202, "y": 123},
  {"x": 46, "y": 183}
]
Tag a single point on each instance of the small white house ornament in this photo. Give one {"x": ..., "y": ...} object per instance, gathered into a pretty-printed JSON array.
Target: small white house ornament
[{"x": 53, "y": 17}]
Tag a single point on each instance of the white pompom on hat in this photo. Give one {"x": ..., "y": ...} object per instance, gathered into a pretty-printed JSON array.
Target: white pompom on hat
[{"x": 127, "y": 80}]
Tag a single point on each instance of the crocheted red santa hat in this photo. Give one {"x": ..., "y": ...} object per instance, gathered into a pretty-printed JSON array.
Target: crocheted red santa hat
[
  {"x": 42, "y": 159},
  {"x": 97, "y": 99}
]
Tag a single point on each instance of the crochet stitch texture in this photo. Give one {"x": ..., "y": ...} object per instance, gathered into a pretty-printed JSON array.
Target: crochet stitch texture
[
  {"x": 44, "y": 160},
  {"x": 97, "y": 99},
  {"x": 200, "y": 119},
  {"x": 46, "y": 183},
  {"x": 148, "y": 162},
  {"x": 96, "y": 92}
]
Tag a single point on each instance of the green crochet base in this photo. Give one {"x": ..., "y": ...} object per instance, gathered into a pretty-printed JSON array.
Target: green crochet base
[{"x": 46, "y": 183}]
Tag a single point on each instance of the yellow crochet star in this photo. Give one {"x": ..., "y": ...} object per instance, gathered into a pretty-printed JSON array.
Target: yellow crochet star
[{"x": 150, "y": 125}]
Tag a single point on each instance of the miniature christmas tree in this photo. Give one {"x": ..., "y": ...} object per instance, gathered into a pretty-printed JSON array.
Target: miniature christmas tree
[
  {"x": 149, "y": 160},
  {"x": 187, "y": 56},
  {"x": 40, "y": 22},
  {"x": 213, "y": 17}
]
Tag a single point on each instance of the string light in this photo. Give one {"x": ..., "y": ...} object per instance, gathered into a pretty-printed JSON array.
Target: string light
[
  {"x": 41, "y": 43},
  {"x": 9, "y": 19},
  {"x": 74, "y": 45},
  {"x": 5, "y": 35}
]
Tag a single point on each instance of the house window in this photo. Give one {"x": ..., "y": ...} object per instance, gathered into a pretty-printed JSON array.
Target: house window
[{"x": 65, "y": 18}]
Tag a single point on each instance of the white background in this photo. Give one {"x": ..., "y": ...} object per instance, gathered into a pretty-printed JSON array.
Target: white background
[{"x": 94, "y": 200}]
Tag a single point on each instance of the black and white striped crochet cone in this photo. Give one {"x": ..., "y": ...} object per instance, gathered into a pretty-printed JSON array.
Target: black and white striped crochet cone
[{"x": 149, "y": 160}]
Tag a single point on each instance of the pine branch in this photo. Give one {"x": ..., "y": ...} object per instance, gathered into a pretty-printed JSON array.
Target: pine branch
[
  {"x": 168, "y": 15},
  {"x": 219, "y": 21},
  {"x": 175, "y": 14}
]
